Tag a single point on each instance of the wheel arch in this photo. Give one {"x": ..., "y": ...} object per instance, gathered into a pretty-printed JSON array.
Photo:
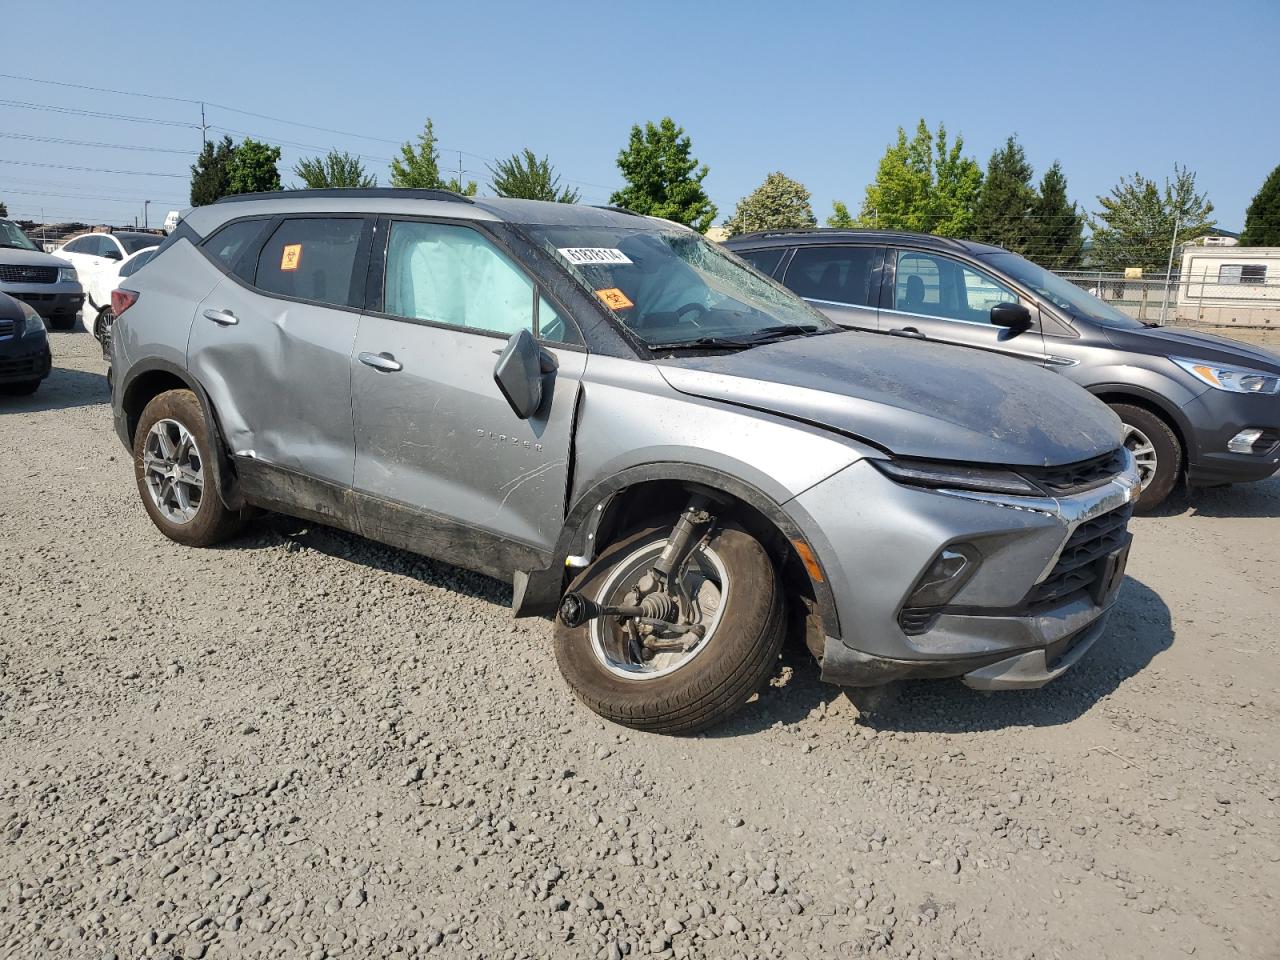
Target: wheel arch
[
  {"x": 1110, "y": 393},
  {"x": 145, "y": 383},
  {"x": 618, "y": 502}
]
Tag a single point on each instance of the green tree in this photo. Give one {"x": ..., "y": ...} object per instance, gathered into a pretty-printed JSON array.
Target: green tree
[
  {"x": 210, "y": 176},
  {"x": 923, "y": 184},
  {"x": 253, "y": 168},
  {"x": 4, "y": 211},
  {"x": 1007, "y": 200},
  {"x": 525, "y": 177},
  {"x": 1262, "y": 219},
  {"x": 779, "y": 203},
  {"x": 1057, "y": 226},
  {"x": 334, "y": 169},
  {"x": 1135, "y": 226},
  {"x": 419, "y": 167},
  {"x": 662, "y": 177},
  {"x": 840, "y": 216}
]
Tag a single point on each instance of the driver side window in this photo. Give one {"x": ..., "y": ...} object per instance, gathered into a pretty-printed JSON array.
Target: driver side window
[{"x": 936, "y": 286}]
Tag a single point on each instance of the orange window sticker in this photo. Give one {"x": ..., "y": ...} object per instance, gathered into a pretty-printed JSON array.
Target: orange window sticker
[
  {"x": 290, "y": 256},
  {"x": 614, "y": 299}
]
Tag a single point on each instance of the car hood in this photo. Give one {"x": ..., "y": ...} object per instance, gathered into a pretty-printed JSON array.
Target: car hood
[
  {"x": 33, "y": 258},
  {"x": 915, "y": 400},
  {"x": 1194, "y": 345}
]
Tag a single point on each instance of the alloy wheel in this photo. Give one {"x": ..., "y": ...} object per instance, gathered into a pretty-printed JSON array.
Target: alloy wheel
[
  {"x": 174, "y": 471},
  {"x": 1144, "y": 454}
]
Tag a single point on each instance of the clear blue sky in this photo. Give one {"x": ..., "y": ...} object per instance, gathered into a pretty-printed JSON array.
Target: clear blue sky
[{"x": 815, "y": 89}]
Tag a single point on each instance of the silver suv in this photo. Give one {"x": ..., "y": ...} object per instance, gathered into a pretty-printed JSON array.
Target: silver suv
[{"x": 678, "y": 458}]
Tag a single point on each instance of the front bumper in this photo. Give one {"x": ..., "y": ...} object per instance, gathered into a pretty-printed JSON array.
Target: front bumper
[
  {"x": 1016, "y": 622},
  {"x": 22, "y": 360},
  {"x": 48, "y": 299},
  {"x": 1215, "y": 417}
]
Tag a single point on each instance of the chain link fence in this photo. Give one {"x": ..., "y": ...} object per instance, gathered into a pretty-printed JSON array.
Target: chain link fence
[{"x": 1227, "y": 298}]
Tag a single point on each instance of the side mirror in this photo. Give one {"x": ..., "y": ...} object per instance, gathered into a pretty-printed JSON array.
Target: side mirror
[
  {"x": 518, "y": 374},
  {"x": 1012, "y": 315},
  {"x": 112, "y": 255}
]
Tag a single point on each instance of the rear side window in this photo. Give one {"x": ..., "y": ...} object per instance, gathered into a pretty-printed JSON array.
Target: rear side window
[
  {"x": 833, "y": 274},
  {"x": 313, "y": 258},
  {"x": 229, "y": 244},
  {"x": 766, "y": 261}
]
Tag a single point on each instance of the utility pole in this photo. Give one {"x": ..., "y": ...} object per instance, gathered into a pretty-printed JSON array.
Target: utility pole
[
  {"x": 1168, "y": 273},
  {"x": 204, "y": 127},
  {"x": 145, "y": 205},
  {"x": 460, "y": 190}
]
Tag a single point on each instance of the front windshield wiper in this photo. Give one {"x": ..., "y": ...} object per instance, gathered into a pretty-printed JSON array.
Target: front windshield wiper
[
  {"x": 703, "y": 343},
  {"x": 1151, "y": 323},
  {"x": 767, "y": 334},
  {"x": 754, "y": 339}
]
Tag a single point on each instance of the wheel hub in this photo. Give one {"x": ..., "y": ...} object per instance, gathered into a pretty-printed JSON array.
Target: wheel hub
[{"x": 173, "y": 471}]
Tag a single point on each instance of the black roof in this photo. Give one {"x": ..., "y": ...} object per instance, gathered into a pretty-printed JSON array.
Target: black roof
[{"x": 837, "y": 235}]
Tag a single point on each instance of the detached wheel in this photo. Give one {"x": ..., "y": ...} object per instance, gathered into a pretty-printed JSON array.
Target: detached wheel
[
  {"x": 689, "y": 683},
  {"x": 1156, "y": 451},
  {"x": 171, "y": 451}
]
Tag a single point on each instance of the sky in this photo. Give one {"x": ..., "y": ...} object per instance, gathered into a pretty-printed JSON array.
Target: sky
[{"x": 816, "y": 90}]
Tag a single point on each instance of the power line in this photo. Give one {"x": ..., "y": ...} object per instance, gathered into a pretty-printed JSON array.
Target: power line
[
  {"x": 89, "y": 143},
  {"x": 63, "y": 166},
  {"x": 97, "y": 114},
  {"x": 85, "y": 196}
]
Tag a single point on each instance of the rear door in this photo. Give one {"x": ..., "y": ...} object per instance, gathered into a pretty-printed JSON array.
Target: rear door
[
  {"x": 841, "y": 281},
  {"x": 931, "y": 296},
  {"x": 443, "y": 464},
  {"x": 272, "y": 342}
]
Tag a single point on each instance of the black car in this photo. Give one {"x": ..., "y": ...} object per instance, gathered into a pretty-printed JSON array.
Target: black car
[
  {"x": 24, "y": 347},
  {"x": 1194, "y": 405}
]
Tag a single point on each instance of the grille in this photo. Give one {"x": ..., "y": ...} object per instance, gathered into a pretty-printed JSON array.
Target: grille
[
  {"x": 1078, "y": 477},
  {"x": 14, "y": 273},
  {"x": 1078, "y": 568},
  {"x": 917, "y": 620},
  {"x": 7, "y": 328}
]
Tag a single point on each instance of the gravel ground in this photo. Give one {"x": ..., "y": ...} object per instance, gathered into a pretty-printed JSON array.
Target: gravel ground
[{"x": 305, "y": 744}]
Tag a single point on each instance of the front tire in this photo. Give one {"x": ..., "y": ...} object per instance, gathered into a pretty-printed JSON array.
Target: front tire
[
  {"x": 172, "y": 451},
  {"x": 687, "y": 692},
  {"x": 1156, "y": 449}
]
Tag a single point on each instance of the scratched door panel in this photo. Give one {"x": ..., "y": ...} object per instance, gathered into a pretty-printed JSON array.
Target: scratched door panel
[{"x": 438, "y": 437}]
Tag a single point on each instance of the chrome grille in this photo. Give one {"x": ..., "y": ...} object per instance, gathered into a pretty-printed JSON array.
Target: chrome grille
[
  {"x": 1078, "y": 566},
  {"x": 17, "y": 273}
]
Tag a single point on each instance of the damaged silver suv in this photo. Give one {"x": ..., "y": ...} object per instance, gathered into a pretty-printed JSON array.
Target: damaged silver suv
[{"x": 676, "y": 457}]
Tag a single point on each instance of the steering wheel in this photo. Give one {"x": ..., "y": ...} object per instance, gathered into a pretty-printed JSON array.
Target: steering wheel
[{"x": 700, "y": 310}]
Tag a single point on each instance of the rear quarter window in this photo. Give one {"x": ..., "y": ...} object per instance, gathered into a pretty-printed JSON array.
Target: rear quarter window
[
  {"x": 314, "y": 259},
  {"x": 766, "y": 261},
  {"x": 229, "y": 245}
]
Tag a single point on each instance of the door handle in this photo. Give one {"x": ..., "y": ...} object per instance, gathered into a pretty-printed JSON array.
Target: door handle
[
  {"x": 910, "y": 332},
  {"x": 381, "y": 361},
  {"x": 224, "y": 318}
]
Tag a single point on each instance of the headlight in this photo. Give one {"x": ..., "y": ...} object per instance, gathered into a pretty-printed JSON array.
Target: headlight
[
  {"x": 67, "y": 275},
  {"x": 1231, "y": 379},
  {"x": 34, "y": 323},
  {"x": 922, "y": 473}
]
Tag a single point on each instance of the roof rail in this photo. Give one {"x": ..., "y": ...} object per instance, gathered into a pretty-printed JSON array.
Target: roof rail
[
  {"x": 360, "y": 193},
  {"x": 605, "y": 206},
  {"x": 852, "y": 231}
]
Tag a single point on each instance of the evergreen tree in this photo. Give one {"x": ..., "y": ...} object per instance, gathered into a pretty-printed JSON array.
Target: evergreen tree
[
  {"x": 840, "y": 216},
  {"x": 662, "y": 177},
  {"x": 253, "y": 168},
  {"x": 779, "y": 203},
  {"x": 335, "y": 169},
  {"x": 923, "y": 184},
  {"x": 1007, "y": 200},
  {"x": 4, "y": 211},
  {"x": 210, "y": 177},
  {"x": 1262, "y": 219},
  {"x": 1057, "y": 226},
  {"x": 1135, "y": 226},
  {"x": 528, "y": 178}
]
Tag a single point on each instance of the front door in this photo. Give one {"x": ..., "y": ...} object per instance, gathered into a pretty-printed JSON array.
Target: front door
[
  {"x": 841, "y": 281},
  {"x": 935, "y": 297},
  {"x": 273, "y": 346},
  {"x": 443, "y": 464}
]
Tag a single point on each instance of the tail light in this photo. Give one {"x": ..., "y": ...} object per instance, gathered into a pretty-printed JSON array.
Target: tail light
[{"x": 122, "y": 300}]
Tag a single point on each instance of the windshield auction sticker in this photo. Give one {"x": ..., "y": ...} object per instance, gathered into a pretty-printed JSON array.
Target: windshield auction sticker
[
  {"x": 589, "y": 256},
  {"x": 614, "y": 299}
]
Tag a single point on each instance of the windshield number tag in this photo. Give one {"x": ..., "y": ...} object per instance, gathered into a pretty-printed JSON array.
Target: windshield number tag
[{"x": 592, "y": 256}]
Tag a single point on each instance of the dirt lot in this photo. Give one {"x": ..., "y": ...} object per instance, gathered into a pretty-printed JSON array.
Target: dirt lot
[{"x": 305, "y": 744}]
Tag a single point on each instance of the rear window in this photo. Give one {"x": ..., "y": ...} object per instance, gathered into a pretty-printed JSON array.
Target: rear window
[
  {"x": 313, "y": 259},
  {"x": 134, "y": 242}
]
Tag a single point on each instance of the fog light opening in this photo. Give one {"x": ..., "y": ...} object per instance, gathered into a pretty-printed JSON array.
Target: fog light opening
[{"x": 1243, "y": 442}]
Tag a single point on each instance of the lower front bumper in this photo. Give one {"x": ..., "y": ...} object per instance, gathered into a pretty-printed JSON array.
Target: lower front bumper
[
  {"x": 1025, "y": 670},
  {"x": 50, "y": 303}
]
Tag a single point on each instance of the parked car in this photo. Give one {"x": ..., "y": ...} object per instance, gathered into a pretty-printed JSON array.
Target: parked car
[
  {"x": 99, "y": 323},
  {"x": 48, "y": 283},
  {"x": 24, "y": 347},
  {"x": 97, "y": 257},
  {"x": 679, "y": 458},
  {"x": 1194, "y": 405}
]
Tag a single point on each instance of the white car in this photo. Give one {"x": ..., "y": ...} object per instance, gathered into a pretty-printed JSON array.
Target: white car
[
  {"x": 97, "y": 258},
  {"x": 98, "y": 322}
]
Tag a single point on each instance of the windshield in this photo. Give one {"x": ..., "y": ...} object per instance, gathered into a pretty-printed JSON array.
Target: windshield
[
  {"x": 1064, "y": 294},
  {"x": 673, "y": 288},
  {"x": 11, "y": 236},
  {"x": 133, "y": 242}
]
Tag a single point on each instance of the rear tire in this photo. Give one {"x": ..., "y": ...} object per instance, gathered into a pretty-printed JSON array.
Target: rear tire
[
  {"x": 62, "y": 321},
  {"x": 1156, "y": 448},
  {"x": 172, "y": 461},
  {"x": 739, "y": 654}
]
